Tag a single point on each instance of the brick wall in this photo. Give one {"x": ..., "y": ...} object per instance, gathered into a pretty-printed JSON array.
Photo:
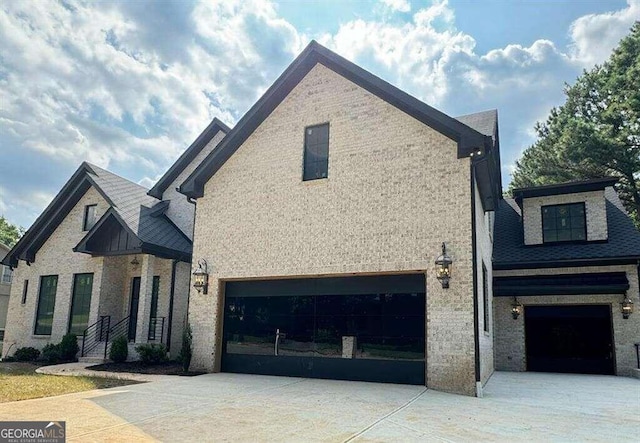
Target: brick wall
[
  {"x": 596, "y": 212},
  {"x": 395, "y": 191},
  {"x": 510, "y": 353}
]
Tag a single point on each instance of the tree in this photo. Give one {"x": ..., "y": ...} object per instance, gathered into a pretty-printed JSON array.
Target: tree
[
  {"x": 9, "y": 234},
  {"x": 596, "y": 132}
]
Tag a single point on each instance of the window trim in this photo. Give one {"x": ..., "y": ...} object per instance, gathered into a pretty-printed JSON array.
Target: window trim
[
  {"x": 35, "y": 326},
  {"x": 304, "y": 151},
  {"x": 73, "y": 293},
  {"x": 86, "y": 218},
  {"x": 25, "y": 290},
  {"x": 584, "y": 211}
]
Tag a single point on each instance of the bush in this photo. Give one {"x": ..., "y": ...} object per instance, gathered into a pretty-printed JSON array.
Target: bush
[
  {"x": 119, "y": 349},
  {"x": 51, "y": 353},
  {"x": 68, "y": 347},
  {"x": 185, "y": 352},
  {"x": 26, "y": 354},
  {"x": 152, "y": 354}
]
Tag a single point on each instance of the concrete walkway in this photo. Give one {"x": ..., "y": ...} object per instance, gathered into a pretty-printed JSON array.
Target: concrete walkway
[
  {"x": 80, "y": 369},
  {"x": 232, "y": 407}
]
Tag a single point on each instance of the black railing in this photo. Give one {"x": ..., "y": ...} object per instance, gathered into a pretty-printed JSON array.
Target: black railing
[
  {"x": 120, "y": 329},
  {"x": 638, "y": 354},
  {"x": 156, "y": 329},
  {"x": 96, "y": 335}
]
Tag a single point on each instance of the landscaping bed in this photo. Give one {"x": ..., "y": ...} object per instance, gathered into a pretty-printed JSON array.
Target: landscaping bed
[
  {"x": 164, "y": 368},
  {"x": 19, "y": 381}
]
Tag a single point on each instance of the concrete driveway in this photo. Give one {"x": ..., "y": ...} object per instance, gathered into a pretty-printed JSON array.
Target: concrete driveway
[{"x": 230, "y": 407}]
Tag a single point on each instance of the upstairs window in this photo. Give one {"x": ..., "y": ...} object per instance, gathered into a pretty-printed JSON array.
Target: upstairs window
[
  {"x": 316, "y": 152},
  {"x": 562, "y": 223},
  {"x": 89, "y": 217},
  {"x": 6, "y": 274}
]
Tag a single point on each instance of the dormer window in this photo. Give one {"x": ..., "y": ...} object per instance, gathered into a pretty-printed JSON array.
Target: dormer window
[
  {"x": 562, "y": 223},
  {"x": 89, "y": 217}
]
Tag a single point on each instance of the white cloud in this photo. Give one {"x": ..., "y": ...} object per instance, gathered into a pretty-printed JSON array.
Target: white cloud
[
  {"x": 595, "y": 35},
  {"x": 397, "y": 5}
]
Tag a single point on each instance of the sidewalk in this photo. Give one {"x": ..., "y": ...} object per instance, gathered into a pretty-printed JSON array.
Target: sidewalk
[{"x": 81, "y": 369}]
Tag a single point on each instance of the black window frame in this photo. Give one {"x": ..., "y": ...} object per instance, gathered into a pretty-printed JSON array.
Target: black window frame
[
  {"x": 36, "y": 330},
  {"x": 85, "y": 226},
  {"x": 73, "y": 301},
  {"x": 25, "y": 290},
  {"x": 153, "y": 312},
  {"x": 485, "y": 297},
  {"x": 582, "y": 229},
  {"x": 317, "y": 169}
]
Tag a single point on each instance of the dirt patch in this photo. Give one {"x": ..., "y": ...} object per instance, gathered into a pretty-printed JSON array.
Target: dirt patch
[{"x": 136, "y": 367}]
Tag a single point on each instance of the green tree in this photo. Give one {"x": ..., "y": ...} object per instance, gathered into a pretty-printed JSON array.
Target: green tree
[
  {"x": 9, "y": 234},
  {"x": 596, "y": 132}
]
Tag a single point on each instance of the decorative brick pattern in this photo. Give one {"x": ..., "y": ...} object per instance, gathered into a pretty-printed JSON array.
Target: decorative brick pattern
[
  {"x": 596, "y": 212},
  {"x": 509, "y": 333},
  {"x": 395, "y": 191}
]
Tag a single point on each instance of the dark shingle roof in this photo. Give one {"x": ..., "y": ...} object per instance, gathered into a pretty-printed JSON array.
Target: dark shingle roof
[
  {"x": 509, "y": 250},
  {"x": 484, "y": 122}
]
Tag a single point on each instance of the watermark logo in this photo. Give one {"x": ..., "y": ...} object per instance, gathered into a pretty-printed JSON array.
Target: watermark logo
[{"x": 33, "y": 432}]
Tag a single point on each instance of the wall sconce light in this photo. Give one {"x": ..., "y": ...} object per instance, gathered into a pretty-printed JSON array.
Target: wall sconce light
[
  {"x": 626, "y": 307},
  {"x": 516, "y": 309},
  {"x": 201, "y": 277},
  {"x": 443, "y": 267},
  {"x": 135, "y": 261}
]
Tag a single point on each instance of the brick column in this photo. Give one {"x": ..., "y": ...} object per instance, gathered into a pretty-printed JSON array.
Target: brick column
[{"x": 144, "y": 305}]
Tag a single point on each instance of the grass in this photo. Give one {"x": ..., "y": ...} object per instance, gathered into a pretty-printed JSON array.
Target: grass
[{"x": 19, "y": 381}]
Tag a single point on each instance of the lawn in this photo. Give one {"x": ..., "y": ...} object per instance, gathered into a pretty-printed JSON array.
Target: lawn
[{"x": 19, "y": 381}]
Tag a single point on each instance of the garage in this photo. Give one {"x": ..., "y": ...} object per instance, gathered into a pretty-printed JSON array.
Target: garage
[
  {"x": 369, "y": 328},
  {"x": 573, "y": 339}
]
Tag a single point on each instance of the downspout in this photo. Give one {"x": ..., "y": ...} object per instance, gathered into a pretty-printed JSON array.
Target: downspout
[
  {"x": 174, "y": 264},
  {"x": 193, "y": 235},
  {"x": 474, "y": 261}
]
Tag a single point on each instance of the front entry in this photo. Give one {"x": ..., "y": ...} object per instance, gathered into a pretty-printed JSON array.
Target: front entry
[
  {"x": 574, "y": 339},
  {"x": 133, "y": 308},
  {"x": 350, "y": 328}
]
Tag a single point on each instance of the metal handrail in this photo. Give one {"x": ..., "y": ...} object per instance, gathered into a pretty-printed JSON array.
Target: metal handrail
[
  {"x": 93, "y": 335},
  {"x": 153, "y": 328}
]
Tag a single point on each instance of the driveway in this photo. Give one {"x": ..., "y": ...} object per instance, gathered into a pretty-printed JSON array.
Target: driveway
[{"x": 233, "y": 407}]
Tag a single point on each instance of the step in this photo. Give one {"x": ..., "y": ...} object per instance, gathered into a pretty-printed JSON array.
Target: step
[{"x": 92, "y": 359}]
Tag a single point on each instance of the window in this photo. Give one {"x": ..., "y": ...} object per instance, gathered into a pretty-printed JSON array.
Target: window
[
  {"x": 6, "y": 275},
  {"x": 153, "y": 322},
  {"x": 316, "y": 152},
  {"x": 80, "y": 303},
  {"x": 89, "y": 217},
  {"x": 485, "y": 295},
  {"x": 25, "y": 289},
  {"x": 564, "y": 223},
  {"x": 46, "y": 304}
]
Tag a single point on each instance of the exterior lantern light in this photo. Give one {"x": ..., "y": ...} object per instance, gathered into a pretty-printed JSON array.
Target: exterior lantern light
[
  {"x": 443, "y": 267},
  {"x": 201, "y": 277},
  {"x": 626, "y": 307},
  {"x": 516, "y": 309}
]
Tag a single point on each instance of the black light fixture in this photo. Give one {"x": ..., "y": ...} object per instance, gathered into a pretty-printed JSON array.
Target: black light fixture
[
  {"x": 516, "y": 309},
  {"x": 135, "y": 261},
  {"x": 626, "y": 307},
  {"x": 201, "y": 277},
  {"x": 443, "y": 267}
]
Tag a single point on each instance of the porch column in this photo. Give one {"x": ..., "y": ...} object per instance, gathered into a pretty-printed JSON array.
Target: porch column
[
  {"x": 144, "y": 306},
  {"x": 96, "y": 291}
]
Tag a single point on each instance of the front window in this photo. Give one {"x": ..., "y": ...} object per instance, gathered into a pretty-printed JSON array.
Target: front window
[
  {"x": 89, "y": 217},
  {"x": 562, "y": 223},
  {"x": 6, "y": 275},
  {"x": 316, "y": 152},
  {"x": 46, "y": 304},
  {"x": 80, "y": 303}
]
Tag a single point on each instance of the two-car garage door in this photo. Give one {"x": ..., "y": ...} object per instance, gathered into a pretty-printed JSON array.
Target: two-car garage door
[{"x": 351, "y": 328}]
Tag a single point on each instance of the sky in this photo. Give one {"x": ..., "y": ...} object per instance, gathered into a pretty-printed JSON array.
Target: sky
[{"x": 128, "y": 85}]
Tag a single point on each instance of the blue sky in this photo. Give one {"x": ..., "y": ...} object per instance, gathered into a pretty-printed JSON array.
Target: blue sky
[{"x": 128, "y": 85}]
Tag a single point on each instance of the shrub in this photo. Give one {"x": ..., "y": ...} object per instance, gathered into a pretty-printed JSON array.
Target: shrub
[
  {"x": 26, "y": 354},
  {"x": 152, "y": 354},
  {"x": 185, "y": 352},
  {"x": 119, "y": 349},
  {"x": 51, "y": 353},
  {"x": 68, "y": 347}
]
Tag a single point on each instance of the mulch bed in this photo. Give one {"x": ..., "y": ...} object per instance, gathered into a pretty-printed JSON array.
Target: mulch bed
[{"x": 136, "y": 367}]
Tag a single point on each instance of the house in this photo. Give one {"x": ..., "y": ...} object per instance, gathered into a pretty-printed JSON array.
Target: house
[
  {"x": 567, "y": 256},
  {"x": 342, "y": 229},
  {"x": 107, "y": 258},
  {"x": 5, "y": 289}
]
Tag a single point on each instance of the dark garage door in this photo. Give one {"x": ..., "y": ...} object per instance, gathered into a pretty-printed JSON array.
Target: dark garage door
[
  {"x": 575, "y": 339},
  {"x": 351, "y": 328}
]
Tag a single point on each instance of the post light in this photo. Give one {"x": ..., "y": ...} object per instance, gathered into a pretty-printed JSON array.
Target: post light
[
  {"x": 443, "y": 267},
  {"x": 201, "y": 277},
  {"x": 516, "y": 309},
  {"x": 626, "y": 307}
]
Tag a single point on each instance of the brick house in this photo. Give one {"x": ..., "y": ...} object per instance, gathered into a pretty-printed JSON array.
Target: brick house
[{"x": 318, "y": 220}]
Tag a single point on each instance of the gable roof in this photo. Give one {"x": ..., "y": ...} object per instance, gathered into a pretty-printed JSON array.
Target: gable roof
[
  {"x": 468, "y": 139},
  {"x": 485, "y": 122},
  {"x": 594, "y": 184},
  {"x": 510, "y": 252},
  {"x": 187, "y": 157},
  {"x": 129, "y": 200}
]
